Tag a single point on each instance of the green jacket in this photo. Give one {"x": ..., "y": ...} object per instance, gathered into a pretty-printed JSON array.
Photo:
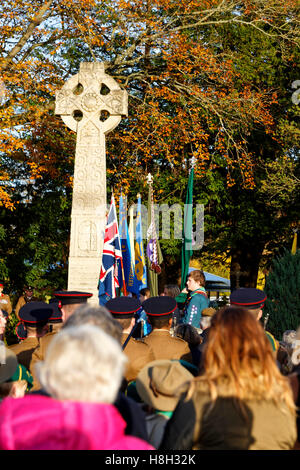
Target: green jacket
[{"x": 196, "y": 302}]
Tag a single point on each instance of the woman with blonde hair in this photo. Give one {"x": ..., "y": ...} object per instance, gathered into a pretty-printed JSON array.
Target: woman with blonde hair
[{"x": 241, "y": 401}]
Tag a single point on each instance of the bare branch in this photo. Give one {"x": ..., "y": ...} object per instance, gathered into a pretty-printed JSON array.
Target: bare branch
[{"x": 41, "y": 16}]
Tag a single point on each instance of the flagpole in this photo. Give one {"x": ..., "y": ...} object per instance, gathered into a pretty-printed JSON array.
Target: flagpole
[
  {"x": 123, "y": 278},
  {"x": 186, "y": 253}
]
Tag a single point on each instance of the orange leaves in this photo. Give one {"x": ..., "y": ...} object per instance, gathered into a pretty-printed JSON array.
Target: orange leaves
[
  {"x": 187, "y": 97},
  {"x": 5, "y": 199},
  {"x": 5, "y": 191}
]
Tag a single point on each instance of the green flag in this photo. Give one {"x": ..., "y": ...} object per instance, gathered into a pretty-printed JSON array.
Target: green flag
[
  {"x": 154, "y": 254},
  {"x": 187, "y": 236}
]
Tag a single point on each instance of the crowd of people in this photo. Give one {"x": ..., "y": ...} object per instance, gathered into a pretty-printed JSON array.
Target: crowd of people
[{"x": 165, "y": 372}]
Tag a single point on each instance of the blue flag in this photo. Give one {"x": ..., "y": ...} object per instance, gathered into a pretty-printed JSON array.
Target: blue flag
[{"x": 140, "y": 269}]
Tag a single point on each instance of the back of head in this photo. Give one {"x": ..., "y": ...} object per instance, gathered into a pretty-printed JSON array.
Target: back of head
[
  {"x": 158, "y": 323},
  {"x": 188, "y": 333},
  {"x": 145, "y": 292},
  {"x": 172, "y": 290},
  {"x": 159, "y": 310},
  {"x": 97, "y": 316},
  {"x": 78, "y": 365},
  {"x": 289, "y": 336},
  {"x": 237, "y": 338}
]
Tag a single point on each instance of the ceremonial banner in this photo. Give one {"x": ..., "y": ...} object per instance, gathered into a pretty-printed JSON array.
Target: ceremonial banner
[
  {"x": 130, "y": 285},
  {"x": 125, "y": 243},
  {"x": 111, "y": 257},
  {"x": 187, "y": 236},
  {"x": 154, "y": 255}
]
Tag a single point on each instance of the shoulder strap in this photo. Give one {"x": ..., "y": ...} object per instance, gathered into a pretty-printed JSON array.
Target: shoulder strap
[
  {"x": 272, "y": 341},
  {"x": 198, "y": 292}
]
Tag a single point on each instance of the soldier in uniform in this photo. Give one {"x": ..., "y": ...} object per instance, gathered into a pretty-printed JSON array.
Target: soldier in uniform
[
  {"x": 34, "y": 318},
  {"x": 24, "y": 299},
  {"x": 5, "y": 304},
  {"x": 159, "y": 311},
  {"x": 68, "y": 302},
  {"x": 252, "y": 300},
  {"x": 124, "y": 309}
]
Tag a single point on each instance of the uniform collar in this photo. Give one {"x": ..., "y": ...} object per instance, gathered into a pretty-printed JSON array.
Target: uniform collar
[{"x": 160, "y": 329}]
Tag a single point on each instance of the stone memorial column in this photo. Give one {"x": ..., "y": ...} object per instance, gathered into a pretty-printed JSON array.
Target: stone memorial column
[{"x": 90, "y": 103}]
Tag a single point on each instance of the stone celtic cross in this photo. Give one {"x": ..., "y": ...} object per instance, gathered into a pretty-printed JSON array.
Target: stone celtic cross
[{"x": 84, "y": 103}]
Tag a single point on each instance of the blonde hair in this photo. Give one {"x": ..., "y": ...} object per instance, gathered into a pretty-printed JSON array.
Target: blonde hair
[
  {"x": 82, "y": 363},
  {"x": 239, "y": 362}
]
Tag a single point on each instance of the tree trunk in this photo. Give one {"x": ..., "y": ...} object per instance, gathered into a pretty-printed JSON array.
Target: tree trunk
[{"x": 245, "y": 259}]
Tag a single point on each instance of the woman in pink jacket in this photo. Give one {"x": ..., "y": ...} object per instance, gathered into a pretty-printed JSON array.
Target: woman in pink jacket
[{"x": 82, "y": 373}]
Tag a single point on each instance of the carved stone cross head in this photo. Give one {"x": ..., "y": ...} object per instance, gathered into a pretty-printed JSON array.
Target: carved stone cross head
[{"x": 91, "y": 95}]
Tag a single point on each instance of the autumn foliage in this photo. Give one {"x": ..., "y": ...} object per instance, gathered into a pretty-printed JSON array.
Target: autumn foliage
[{"x": 187, "y": 96}]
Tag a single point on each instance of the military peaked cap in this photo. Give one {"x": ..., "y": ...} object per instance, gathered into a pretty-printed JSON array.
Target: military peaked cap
[
  {"x": 123, "y": 307},
  {"x": 71, "y": 297},
  {"x": 35, "y": 312},
  {"x": 159, "y": 306},
  {"x": 31, "y": 314},
  {"x": 248, "y": 297},
  {"x": 56, "y": 316}
]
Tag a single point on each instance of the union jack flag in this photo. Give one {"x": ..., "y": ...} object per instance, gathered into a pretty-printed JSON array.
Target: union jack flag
[{"x": 111, "y": 257}]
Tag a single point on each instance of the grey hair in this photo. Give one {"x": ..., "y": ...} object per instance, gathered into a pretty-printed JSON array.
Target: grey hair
[
  {"x": 97, "y": 316},
  {"x": 205, "y": 322},
  {"x": 82, "y": 363}
]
